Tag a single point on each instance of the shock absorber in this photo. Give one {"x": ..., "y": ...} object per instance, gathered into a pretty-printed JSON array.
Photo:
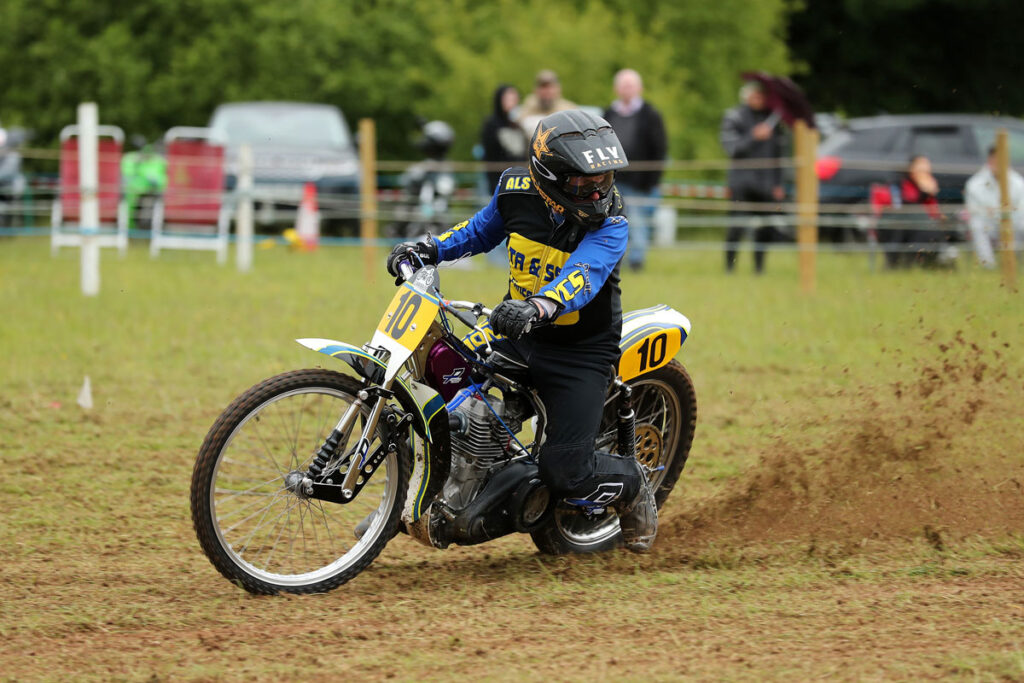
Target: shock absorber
[
  {"x": 626, "y": 422},
  {"x": 329, "y": 447}
]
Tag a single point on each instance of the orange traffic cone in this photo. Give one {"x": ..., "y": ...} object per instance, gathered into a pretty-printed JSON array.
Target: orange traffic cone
[{"x": 307, "y": 223}]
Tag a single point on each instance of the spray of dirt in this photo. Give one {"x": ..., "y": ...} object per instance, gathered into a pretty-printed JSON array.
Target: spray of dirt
[{"x": 938, "y": 453}]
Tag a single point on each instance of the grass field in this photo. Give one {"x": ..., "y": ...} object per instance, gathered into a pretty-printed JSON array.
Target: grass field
[{"x": 853, "y": 507}]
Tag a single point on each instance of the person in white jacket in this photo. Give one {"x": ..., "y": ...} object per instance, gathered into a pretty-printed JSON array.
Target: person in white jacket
[{"x": 981, "y": 194}]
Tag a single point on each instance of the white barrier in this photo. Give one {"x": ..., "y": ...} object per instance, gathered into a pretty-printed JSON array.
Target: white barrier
[
  {"x": 88, "y": 179},
  {"x": 244, "y": 218}
]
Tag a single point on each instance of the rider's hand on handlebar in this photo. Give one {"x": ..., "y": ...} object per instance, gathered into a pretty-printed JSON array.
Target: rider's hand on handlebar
[
  {"x": 513, "y": 318},
  {"x": 426, "y": 251}
]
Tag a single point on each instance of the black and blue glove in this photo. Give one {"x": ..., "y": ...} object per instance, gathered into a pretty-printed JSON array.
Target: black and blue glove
[
  {"x": 409, "y": 251},
  {"x": 513, "y": 318}
]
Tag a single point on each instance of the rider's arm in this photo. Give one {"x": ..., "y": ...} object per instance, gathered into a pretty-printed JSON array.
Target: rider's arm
[
  {"x": 587, "y": 268},
  {"x": 484, "y": 231}
]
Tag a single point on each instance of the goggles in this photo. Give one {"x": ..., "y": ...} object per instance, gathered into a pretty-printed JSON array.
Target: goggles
[{"x": 583, "y": 187}]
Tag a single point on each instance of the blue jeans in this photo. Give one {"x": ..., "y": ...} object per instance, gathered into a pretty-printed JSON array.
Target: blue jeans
[{"x": 641, "y": 215}]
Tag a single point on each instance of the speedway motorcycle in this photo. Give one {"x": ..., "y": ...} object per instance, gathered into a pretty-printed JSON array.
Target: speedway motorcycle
[{"x": 304, "y": 478}]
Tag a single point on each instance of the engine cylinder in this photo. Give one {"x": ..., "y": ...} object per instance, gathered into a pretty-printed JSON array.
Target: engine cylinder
[{"x": 476, "y": 448}]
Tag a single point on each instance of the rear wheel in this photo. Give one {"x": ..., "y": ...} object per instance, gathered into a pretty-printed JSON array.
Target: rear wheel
[
  {"x": 666, "y": 414},
  {"x": 253, "y": 520}
]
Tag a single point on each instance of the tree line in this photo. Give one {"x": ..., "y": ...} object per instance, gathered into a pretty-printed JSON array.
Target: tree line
[{"x": 153, "y": 64}]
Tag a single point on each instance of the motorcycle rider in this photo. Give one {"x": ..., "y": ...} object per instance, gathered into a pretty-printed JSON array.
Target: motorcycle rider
[{"x": 563, "y": 224}]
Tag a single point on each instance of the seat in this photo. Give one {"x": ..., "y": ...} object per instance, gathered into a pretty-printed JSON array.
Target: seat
[
  {"x": 192, "y": 213},
  {"x": 66, "y": 215}
]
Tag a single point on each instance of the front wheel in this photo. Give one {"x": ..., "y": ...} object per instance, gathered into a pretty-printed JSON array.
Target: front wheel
[
  {"x": 665, "y": 403},
  {"x": 255, "y": 525}
]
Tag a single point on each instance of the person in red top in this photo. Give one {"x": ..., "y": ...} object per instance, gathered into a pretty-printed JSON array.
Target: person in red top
[{"x": 918, "y": 236}]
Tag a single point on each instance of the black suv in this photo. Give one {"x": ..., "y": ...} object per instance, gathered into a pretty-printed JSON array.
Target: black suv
[{"x": 877, "y": 149}]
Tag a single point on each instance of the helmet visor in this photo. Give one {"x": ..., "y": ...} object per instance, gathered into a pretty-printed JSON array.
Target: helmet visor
[{"x": 583, "y": 187}]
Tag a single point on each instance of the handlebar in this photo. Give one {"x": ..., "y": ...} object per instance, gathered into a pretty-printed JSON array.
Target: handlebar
[
  {"x": 405, "y": 269},
  {"x": 477, "y": 310}
]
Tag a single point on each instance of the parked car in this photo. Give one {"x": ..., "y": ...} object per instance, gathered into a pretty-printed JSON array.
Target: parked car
[
  {"x": 293, "y": 143},
  {"x": 877, "y": 149},
  {"x": 12, "y": 179}
]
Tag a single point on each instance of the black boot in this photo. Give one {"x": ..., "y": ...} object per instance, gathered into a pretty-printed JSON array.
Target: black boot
[{"x": 638, "y": 518}]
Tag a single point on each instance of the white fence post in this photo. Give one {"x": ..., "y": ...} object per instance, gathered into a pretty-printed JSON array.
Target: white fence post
[
  {"x": 244, "y": 220},
  {"x": 88, "y": 180}
]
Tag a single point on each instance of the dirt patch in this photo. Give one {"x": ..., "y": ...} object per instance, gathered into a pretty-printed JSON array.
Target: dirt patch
[{"x": 937, "y": 453}]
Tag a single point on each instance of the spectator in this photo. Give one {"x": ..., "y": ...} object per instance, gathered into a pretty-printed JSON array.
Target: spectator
[
  {"x": 917, "y": 235},
  {"x": 749, "y": 132},
  {"x": 545, "y": 99},
  {"x": 502, "y": 139},
  {"x": 642, "y": 134},
  {"x": 981, "y": 194}
]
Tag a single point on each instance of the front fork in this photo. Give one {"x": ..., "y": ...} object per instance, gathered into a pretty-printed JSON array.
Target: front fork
[{"x": 358, "y": 458}]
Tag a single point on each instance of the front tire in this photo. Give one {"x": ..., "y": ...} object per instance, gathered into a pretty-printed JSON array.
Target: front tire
[
  {"x": 256, "y": 530},
  {"x": 665, "y": 403}
]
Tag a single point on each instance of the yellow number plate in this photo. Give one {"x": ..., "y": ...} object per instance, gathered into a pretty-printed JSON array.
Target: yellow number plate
[
  {"x": 408, "y": 317},
  {"x": 648, "y": 350}
]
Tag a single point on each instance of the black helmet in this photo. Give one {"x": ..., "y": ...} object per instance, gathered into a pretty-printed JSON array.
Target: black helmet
[
  {"x": 573, "y": 159},
  {"x": 436, "y": 139}
]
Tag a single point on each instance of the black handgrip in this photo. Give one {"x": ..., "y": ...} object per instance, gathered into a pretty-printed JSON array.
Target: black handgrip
[{"x": 464, "y": 317}]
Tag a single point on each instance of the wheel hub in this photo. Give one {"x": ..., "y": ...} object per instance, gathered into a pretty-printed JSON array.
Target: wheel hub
[
  {"x": 648, "y": 446},
  {"x": 299, "y": 484}
]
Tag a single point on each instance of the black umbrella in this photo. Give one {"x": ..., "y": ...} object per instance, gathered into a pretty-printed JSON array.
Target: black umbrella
[{"x": 784, "y": 97}]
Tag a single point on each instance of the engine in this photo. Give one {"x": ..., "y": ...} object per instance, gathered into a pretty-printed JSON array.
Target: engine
[
  {"x": 492, "y": 487},
  {"x": 478, "y": 444}
]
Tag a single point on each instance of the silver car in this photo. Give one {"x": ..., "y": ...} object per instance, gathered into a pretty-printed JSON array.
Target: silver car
[{"x": 293, "y": 143}]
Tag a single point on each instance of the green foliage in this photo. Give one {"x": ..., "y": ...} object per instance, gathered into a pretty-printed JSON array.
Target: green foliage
[
  {"x": 156, "y": 63},
  {"x": 910, "y": 56},
  {"x": 690, "y": 55}
]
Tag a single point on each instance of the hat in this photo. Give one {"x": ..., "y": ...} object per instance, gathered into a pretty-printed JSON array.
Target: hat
[{"x": 545, "y": 77}]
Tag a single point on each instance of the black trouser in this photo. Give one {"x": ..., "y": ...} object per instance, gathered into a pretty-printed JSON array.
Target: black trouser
[
  {"x": 572, "y": 382},
  {"x": 765, "y": 234},
  {"x": 912, "y": 240}
]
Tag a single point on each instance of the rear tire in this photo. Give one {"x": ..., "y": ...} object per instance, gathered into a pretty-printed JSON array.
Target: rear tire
[
  {"x": 666, "y": 416},
  {"x": 258, "y": 532}
]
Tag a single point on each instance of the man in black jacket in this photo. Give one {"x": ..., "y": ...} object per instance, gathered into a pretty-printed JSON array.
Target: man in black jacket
[
  {"x": 642, "y": 133},
  {"x": 750, "y": 132},
  {"x": 561, "y": 220}
]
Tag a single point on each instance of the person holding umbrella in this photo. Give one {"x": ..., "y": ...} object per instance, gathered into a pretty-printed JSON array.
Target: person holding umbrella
[{"x": 750, "y": 131}]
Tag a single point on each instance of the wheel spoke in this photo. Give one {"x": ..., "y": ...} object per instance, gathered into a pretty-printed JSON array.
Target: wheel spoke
[
  {"x": 327, "y": 527},
  {"x": 244, "y": 508},
  {"x": 298, "y": 431},
  {"x": 232, "y": 461},
  {"x": 269, "y": 453},
  {"x": 258, "y": 486},
  {"x": 255, "y": 528},
  {"x": 284, "y": 525},
  {"x": 289, "y": 437}
]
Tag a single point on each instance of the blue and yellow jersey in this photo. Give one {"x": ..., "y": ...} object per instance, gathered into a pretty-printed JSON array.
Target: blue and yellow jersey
[{"x": 549, "y": 256}]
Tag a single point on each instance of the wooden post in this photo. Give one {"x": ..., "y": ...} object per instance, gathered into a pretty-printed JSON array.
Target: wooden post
[
  {"x": 1007, "y": 256},
  {"x": 368, "y": 195},
  {"x": 806, "y": 154}
]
